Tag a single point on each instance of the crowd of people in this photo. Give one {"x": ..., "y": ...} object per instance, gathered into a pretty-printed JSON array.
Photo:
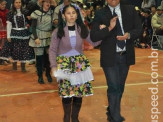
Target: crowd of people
[
  {"x": 54, "y": 34},
  {"x": 152, "y": 19}
]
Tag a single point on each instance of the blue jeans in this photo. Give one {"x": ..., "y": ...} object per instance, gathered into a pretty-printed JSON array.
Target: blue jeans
[{"x": 116, "y": 77}]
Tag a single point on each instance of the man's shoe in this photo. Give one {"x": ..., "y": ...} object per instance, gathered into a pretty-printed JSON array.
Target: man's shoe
[
  {"x": 109, "y": 117},
  {"x": 40, "y": 80},
  {"x": 122, "y": 118},
  {"x": 49, "y": 78}
]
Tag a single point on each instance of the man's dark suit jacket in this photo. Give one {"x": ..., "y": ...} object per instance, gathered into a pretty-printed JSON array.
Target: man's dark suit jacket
[{"x": 131, "y": 24}]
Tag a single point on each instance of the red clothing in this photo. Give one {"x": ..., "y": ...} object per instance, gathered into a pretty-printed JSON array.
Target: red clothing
[{"x": 3, "y": 14}]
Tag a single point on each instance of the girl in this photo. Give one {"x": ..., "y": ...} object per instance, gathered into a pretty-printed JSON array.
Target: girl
[
  {"x": 42, "y": 21},
  {"x": 68, "y": 63},
  {"x": 18, "y": 35},
  {"x": 3, "y": 33}
]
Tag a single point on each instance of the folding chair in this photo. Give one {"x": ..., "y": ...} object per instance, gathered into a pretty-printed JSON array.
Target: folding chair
[{"x": 158, "y": 40}]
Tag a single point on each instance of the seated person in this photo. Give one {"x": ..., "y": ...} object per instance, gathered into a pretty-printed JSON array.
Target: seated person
[
  {"x": 157, "y": 21},
  {"x": 146, "y": 21},
  {"x": 144, "y": 40}
]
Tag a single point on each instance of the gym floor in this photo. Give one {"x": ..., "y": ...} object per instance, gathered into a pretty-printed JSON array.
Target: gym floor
[{"x": 23, "y": 99}]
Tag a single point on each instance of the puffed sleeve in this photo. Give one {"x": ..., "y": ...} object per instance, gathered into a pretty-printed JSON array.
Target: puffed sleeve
[
  {"x": 35, "y": 14},
  {"x": 9, "y": 16},
  {"x": 9, "y": 23}
]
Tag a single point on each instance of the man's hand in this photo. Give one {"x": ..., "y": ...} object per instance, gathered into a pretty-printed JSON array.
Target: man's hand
[
  {"x": 124, "y": 37},
  {"x": 112, "y": 23}
]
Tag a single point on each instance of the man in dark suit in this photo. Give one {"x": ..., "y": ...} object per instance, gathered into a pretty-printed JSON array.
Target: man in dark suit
[{"x": 117, "y": 26}]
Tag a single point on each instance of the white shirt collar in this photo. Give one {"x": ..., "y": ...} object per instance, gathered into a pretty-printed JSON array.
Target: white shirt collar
[
  {"x": 116, "y": 8},
  {"x": 18, "y": 12}
]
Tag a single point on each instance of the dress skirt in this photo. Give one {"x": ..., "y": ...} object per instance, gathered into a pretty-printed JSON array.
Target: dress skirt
[
  {"x": 78, "y": 68},
  {"x": 19, "y": 49},
  {"x": 3, "y": 37}
]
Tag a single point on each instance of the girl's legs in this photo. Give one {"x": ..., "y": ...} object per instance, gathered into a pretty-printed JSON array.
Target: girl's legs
[
  {"x": 14, "y": 64},
  {"x": 1, "y": 46},
  {"x": 74, "y": 113},
  {"x": 47, "y": 65},
  {"x": 39, "y": 63},
  {"x": 23, "y": 67},
  {"x": 77, "y": 102},
  {"x": 66, "y": 102}
]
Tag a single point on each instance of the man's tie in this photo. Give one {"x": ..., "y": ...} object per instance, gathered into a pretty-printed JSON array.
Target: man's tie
[{"x": 120, "y": 43}]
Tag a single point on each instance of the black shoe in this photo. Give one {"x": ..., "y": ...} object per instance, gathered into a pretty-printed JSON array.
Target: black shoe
[
  {"x": 109, "y": 117},
  {"x": 40, "y": 80},
  {"x": 49, "y": 78},
  {"x": 1, "y": 62},
  {"x": 122, "y": 118},
  {"x": 14, "y": 65},
  {"x": 23, "y": 69}
]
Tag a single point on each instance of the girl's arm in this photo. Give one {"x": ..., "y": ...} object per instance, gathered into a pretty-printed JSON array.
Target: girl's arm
[
  {"x": 53, "y": 50},
  {"x": 9, "y": 27},
  {"x": 33, "y": 25},
  {"x": 34, "y": 32},
  {"x": 88, "y": 39}
]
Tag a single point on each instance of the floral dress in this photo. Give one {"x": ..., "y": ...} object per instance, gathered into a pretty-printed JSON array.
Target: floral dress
[{"x": 77, "y": 65}]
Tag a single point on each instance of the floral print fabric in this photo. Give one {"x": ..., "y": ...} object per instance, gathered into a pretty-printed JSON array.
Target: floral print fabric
[{"x": 73, "y": 64}]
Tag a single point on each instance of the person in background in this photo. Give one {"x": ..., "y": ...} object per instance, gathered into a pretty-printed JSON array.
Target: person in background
[
  {"x": 3, "y": 33},
  {"x": 147, "y": 4},
  {"x": 18, "y": 35},
  {"x": 86, "y": 45},
  {"x": 8, "y": 5},
  {"x": 121, "y": 26},
  {"x": 69, "y": 65},
  {"x": 146, "y": 22},
  {"x": 57, "y": 10},
  {"x": 36, "y": 5},
  {"x": 157, "y": 23},
  {"x": 153, "y": 10},
  {"x": 42, "y": 21}
]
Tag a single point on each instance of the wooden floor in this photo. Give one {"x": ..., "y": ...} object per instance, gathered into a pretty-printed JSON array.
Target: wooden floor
[{"x": 22, "y": 99}]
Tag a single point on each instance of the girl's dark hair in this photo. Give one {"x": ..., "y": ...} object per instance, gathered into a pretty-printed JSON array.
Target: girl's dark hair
[
  {"x": 13, "y": 9},
  {"x": 83, "y": 30},
  {"x": 48, "y": 10}
]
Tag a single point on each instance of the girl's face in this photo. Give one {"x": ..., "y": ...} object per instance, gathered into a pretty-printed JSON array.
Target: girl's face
[
  {"x": 3, "y": 5},
  {"x": 70, "y": 16},
  {"x": 46, "y": 5},
  {"x": 17, "y": 4}
]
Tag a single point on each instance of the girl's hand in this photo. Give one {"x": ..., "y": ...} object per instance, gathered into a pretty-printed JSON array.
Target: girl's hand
[
  {"x": 54, "y": 69},
  {"x": 102, "y": 26},
  {"x": 9, "y": 39},
  {"x": 29, "y": 17},
  {"x": 124, "y": 37},
  {"x": 37, "y": 41}
]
